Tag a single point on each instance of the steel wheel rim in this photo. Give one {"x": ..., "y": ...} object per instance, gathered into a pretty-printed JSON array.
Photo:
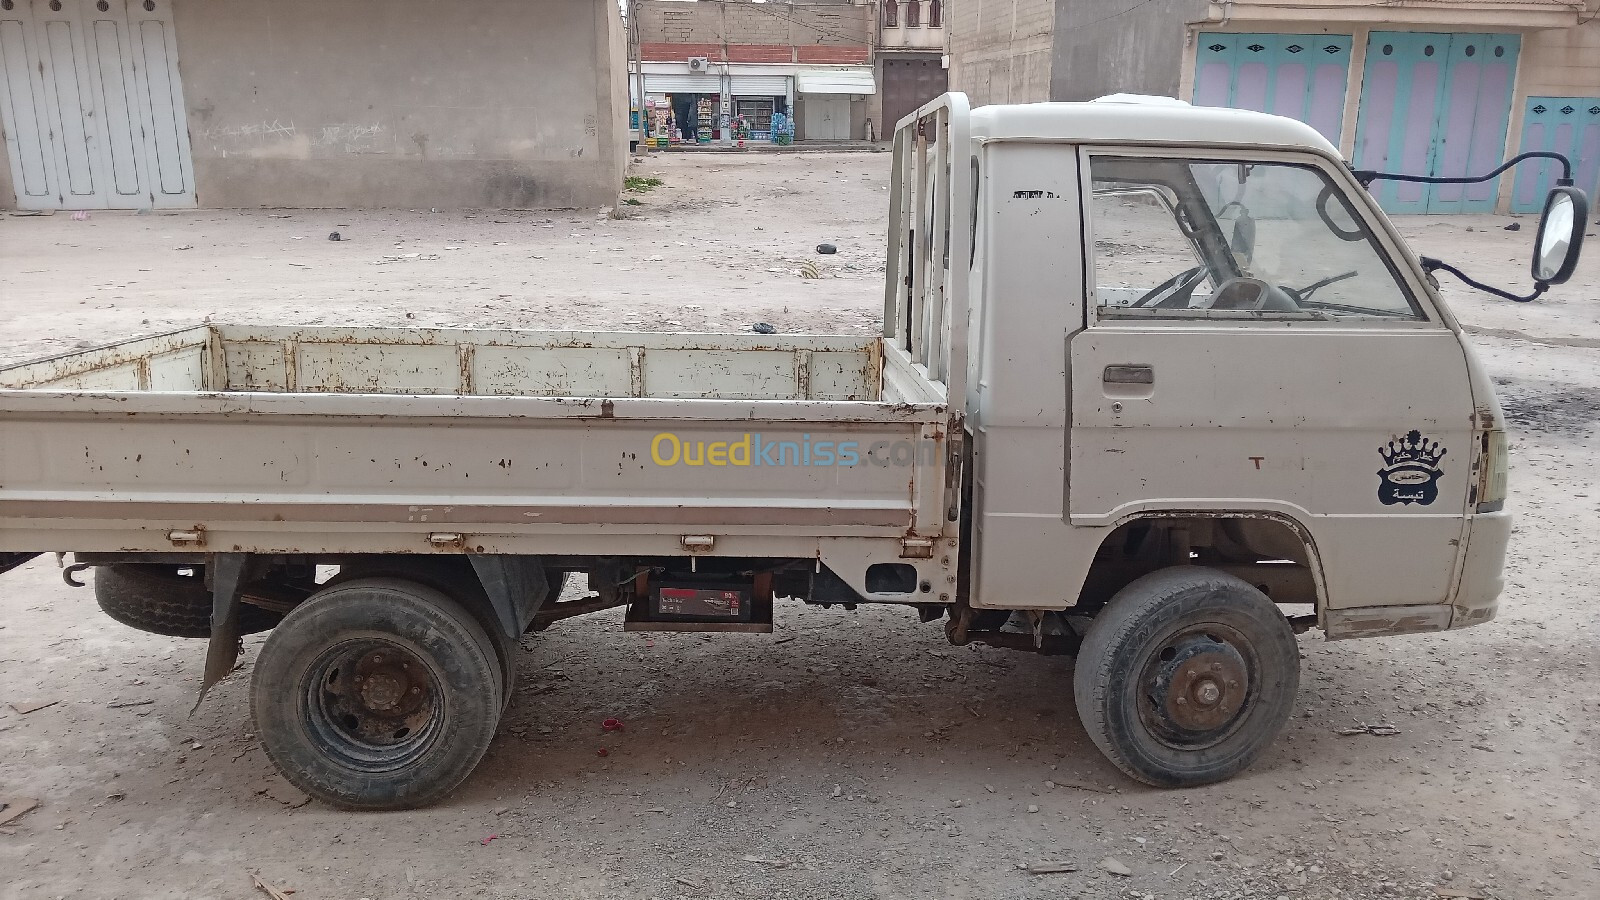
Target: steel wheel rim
[
  {"x": 374, "y": 705},
  {"x": 1198, "y": 686}
]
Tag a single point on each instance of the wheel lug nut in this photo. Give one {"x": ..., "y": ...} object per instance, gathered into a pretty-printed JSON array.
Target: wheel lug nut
[
  {"x": 1216, "y": 667},
  {"x": 1182, "y": 701},
  {"x": 377, "y": 659},
  {"x": 416, "y": 690}
]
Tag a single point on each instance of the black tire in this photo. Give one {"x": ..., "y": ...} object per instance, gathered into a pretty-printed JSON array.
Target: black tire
[
  {"x": 162, "y": 600},
  {"x": 456, "y": 579},
  {"x": 1186, "y": 676},
  {"x": 377, "y": 693}
]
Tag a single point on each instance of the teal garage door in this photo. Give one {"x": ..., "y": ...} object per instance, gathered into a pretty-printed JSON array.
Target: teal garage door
[
  {"x": 1302, "y": 76},
  {"x": 1569, "y": 125},
  {"x": 1435, "y": 104}
]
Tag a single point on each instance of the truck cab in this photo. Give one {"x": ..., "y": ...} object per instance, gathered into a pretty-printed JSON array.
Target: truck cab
[
  {"x": 1193, "y": 328},
  {"x": 1212, "y": 399}
]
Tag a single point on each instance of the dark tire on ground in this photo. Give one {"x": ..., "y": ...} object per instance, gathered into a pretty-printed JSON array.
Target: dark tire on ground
[
  {"x": 377, "y": 693},
  {"x": 161, "y": 600},
  {"x": 1186, "y": 676},
  {"x": 454, "y": 578}
]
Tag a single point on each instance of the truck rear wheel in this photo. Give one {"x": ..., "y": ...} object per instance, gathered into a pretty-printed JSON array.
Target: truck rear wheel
[
  {"x": 377, "y": 693},
  {"x": 1186, "y": 676},
  {"x": 161, "y": 599}
]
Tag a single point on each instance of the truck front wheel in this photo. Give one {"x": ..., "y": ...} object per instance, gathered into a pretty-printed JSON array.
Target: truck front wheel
[
  {"x": 377, "y": 693},
  {"x": 1186, "y": 676}
]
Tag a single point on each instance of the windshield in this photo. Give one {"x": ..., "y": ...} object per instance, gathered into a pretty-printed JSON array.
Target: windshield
[{"x": 1185, "y": 235}]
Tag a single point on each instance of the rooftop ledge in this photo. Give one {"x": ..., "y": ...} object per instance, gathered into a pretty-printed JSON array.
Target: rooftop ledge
[{"x": 1452, "y": 15}]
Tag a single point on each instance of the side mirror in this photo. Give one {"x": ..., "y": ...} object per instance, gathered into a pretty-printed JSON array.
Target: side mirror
[{"x": 1555, "y": 251}]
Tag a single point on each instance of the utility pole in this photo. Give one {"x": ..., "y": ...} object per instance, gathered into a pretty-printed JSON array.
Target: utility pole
[{"x": 635, "y": 53}]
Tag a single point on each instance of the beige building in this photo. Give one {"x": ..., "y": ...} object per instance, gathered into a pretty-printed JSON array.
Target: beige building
[
  {"x": 711, "y": 63},
  {"x": 342, "y": 103},
  {"x": 911, "y": 57},
  {"x": 1442, "y": 87}
]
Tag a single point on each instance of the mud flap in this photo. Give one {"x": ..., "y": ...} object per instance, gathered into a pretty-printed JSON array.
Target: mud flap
[
  {"x": 229, "y": 573},
  {"x": 516, "y": 587}
]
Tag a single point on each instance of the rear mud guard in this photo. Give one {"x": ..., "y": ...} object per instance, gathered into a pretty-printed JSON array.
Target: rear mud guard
[
  {"x": 229, "y": 573},
  {"x": 516, "y": 587}
]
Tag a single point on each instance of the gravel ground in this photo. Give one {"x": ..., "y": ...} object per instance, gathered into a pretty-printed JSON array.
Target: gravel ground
[{"x": 861, "y": 757}]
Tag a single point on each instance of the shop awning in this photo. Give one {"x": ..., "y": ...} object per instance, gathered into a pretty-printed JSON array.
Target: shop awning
[
  {"x": 681, "y": 84},
  {"x": 835, "y": 81}
]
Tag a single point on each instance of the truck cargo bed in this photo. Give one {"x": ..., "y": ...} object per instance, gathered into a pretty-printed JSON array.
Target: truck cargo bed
[{"x": 323, "y": 440}]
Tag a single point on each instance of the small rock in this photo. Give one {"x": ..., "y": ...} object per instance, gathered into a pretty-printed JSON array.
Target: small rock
[
  {"x": 1116, "y": 867},
  {"x": 827, "y": 249},
  {"x": 1514, "y": 226},
  {"x": 1033, "y": 807},
  {"x": 763, "y": 328},
  {"x": 335, "y": 236}
]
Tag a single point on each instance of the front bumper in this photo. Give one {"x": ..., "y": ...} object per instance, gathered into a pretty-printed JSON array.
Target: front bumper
[
  {"x": 1483, "y": 575},
  {"x": 1477, "y": 598}
]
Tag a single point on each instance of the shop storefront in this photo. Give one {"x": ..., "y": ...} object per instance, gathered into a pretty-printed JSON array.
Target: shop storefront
[
  {"x": 826, "y": 100},
  {"x": 729, "y": 103}
]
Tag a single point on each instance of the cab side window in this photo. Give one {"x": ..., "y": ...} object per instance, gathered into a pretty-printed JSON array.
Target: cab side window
[
  {"x": 1138, "y": 246},
  {"x": 1196, "y": 239}
]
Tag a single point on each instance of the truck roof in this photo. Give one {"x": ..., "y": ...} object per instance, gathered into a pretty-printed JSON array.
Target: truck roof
[{"x": 1138, "y": 119}]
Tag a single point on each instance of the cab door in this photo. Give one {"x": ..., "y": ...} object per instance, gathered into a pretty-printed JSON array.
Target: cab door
[{"x": 1349, "y": 412}]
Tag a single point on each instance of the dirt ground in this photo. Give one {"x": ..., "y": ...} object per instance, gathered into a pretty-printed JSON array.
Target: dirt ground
[{"x": 851, "y": 754}]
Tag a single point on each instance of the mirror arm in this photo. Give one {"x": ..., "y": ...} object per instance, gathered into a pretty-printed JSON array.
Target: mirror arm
[
  {"x": 1368, "y": 176},
  {"x": 1430, "y": 265}
]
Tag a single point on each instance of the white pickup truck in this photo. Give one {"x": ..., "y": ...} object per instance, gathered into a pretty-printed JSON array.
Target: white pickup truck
[{"x": 1157, "y": 385}]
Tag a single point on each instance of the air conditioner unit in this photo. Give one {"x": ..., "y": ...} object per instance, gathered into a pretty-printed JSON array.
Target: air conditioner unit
[{"x": 699, "y": 64}]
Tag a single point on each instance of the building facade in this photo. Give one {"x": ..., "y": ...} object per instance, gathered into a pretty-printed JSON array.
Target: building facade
[
  {"x": 339, "y": 103},
  {"x": 1432, "y": 87},
  {"x": 911, "y": 57},
  {"x": 711, "y": 65}
]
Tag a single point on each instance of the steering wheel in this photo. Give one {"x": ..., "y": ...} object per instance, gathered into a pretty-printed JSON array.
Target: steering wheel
[
  {"x": 1175, "y": 292},
  {"x": 1245, "y": 294}
]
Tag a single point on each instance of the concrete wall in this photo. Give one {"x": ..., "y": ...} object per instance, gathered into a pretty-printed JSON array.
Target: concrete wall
[
  {"x": 1000, "y": 50},
  {"x": 766, "y": 32},
  {"x": 404, "y": 103},
  {"x": 1105, "y": 47},
  {"x": 1563, "y": 63}
]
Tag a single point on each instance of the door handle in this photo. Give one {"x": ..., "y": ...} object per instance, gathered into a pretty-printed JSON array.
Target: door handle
[{"x": 1129, "y": 375}]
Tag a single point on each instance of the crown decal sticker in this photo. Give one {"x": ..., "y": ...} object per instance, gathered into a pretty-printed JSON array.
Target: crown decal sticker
[{"x": 1411, "y": 470}]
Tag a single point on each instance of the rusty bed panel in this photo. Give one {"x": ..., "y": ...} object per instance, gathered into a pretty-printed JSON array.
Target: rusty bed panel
[{"x": 371, "y": 440}]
